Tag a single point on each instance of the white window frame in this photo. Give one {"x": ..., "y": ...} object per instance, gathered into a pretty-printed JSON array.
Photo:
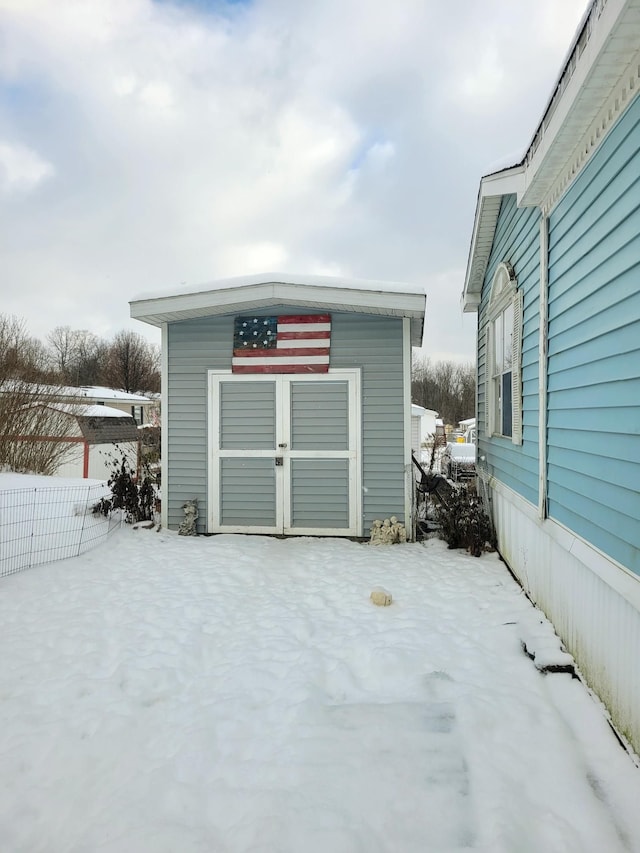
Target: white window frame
[{"x": 504, "y": 294}]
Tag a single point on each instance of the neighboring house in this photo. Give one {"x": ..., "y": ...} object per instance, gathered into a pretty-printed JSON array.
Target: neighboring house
[
  {"x": 100, "y": 437},
  {"x": 467, "y": 429},
  {"x": 308, "y": 431},
  {"x": 417, "y": 417},
  {"x": 429, "y": 420},
  {"x": 139, "y": 406},
  {"x": 554, "y": 274},
  {"x": 142, "y": 408},
  {"x": 426, "y": 426},
  {"x": 423, "y": 433}
]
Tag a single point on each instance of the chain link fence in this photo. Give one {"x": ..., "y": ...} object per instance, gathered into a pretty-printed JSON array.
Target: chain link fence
[{"x": 43, "y": 524}]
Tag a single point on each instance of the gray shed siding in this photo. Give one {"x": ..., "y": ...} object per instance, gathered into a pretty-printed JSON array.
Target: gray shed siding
[
  {"x": 517, "y": 241},
  {"x": 331, "y": 418},
  {"x": 241, "y": 484},
  {"x": 319, "y": 493},
  {"x": 369, "y": 342}
]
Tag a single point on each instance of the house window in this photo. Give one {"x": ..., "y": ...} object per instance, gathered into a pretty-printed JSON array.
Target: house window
[
  {"x": 502, "y": 372},
  {"x": 503, "y": 391}
]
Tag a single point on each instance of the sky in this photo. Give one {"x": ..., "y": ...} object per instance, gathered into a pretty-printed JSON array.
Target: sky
[
  {"x": 256, "y": 700},
  {"x": 151, "y": 146}
]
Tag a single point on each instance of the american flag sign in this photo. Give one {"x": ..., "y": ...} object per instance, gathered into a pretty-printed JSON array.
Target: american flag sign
[{"x": 297, "y": 343}]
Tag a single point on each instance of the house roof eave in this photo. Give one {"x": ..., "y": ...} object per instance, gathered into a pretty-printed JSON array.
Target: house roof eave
[
  {"x": 598, "y": 79},
  {"x": 492, "y": 190}
]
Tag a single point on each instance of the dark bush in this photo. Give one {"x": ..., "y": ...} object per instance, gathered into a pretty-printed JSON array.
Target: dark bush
[
  {"x": 464, "y": 523},
  {"x": 136, "y": 499}
]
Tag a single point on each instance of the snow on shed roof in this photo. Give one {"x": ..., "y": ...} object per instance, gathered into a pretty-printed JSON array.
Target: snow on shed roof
[
  {"x": 99, "y": 392},
  {"x": 100, "y": 412},
  {"x": 92, "y": 392},
  {"x": 242, "y": 293},
  {"x": 81, "y": 410}
]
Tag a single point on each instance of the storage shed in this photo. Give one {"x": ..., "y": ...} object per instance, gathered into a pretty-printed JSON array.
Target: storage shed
[
  {"x": 286, "y": 404},
  {"x": 98, "y": 437}
]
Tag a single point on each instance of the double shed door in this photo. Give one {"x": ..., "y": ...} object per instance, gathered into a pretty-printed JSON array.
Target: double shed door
[{"x": 285, "y": 454}]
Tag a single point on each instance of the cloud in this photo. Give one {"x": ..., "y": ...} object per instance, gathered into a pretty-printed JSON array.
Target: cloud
[
  {"x": 485, "y": 81},
  {"x": 196, "y": 141},
  {"x": 21, "y": 169},
  {"x": 252, "y": 258}
]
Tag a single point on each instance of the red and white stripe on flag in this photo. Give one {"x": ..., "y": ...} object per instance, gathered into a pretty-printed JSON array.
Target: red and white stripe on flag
[{"x": 301, "y": 346}]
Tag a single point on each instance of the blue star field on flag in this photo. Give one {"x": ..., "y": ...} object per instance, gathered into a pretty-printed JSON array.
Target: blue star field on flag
[{"x": 255, "y": 333}]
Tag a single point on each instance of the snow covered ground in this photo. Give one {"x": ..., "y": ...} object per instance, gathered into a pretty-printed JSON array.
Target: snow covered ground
[{"x": 166, "y": 694}]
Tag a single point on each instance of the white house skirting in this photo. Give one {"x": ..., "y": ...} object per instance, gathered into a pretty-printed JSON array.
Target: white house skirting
[{"x": 593, "y": 602}]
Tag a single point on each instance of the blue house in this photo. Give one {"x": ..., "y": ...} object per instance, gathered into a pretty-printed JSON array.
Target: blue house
[{"x": 554, "y": 276}]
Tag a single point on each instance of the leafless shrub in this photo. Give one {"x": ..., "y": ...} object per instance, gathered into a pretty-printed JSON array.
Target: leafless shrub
[{"x": 34, "y": 432}]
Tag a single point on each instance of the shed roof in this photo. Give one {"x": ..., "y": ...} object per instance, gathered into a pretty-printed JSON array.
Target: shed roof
[
  {"x": 75, "y": 393},
  {"x": 99, "y": 392},
  {"x": 97, "y": 424},
  {"x": 84, "y": 410},
  {"x": 226, "y": 296},
  {"x": 419, "y": 411},
  {"x": 107, "y": 430}
]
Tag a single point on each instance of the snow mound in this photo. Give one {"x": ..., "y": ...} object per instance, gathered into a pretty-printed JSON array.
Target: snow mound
[{"x": 541, "y": 643}]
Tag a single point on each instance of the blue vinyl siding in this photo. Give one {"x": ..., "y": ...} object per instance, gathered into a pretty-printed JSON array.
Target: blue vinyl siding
[
  {"x": 372, "y": 343},
  {"x": 517, "y": 240},
  {"x": 594, "y": 348}
]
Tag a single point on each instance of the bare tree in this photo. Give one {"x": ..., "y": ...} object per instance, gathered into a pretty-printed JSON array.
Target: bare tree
[
  {"x": 132, "y": 364},
  {"x": 445, "y": 386},
  {"x": 466, "y": 382},
  {"x": 61, "y": 349},
  {"x": 21, "y": 356},
  {"x": 90, "y": 358},
  {"x": 35, "y": 436},
  {"x": 12, "y": 337},
  {"x": 78, "y": 355}
]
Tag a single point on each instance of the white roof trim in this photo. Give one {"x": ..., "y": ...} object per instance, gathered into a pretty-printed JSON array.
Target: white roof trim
[
  {"x": 492, "y": 189},
  {"x": 84, "y": 410},
  {"x": 390, "y": 299},
  {"x": 604, "y": 61},
  {"x": 98, "y": 392}
]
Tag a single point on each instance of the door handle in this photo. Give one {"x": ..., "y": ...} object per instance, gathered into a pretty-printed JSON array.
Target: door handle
[{"x": 283, "y": 445}]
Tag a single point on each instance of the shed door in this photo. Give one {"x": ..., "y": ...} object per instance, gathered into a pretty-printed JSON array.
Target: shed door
[{"x": 285, "y": 454}]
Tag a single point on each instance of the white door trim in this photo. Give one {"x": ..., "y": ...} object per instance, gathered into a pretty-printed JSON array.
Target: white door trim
[
  {"x": 214, "y": 525},
  {"x": 283, "y": 435}
]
